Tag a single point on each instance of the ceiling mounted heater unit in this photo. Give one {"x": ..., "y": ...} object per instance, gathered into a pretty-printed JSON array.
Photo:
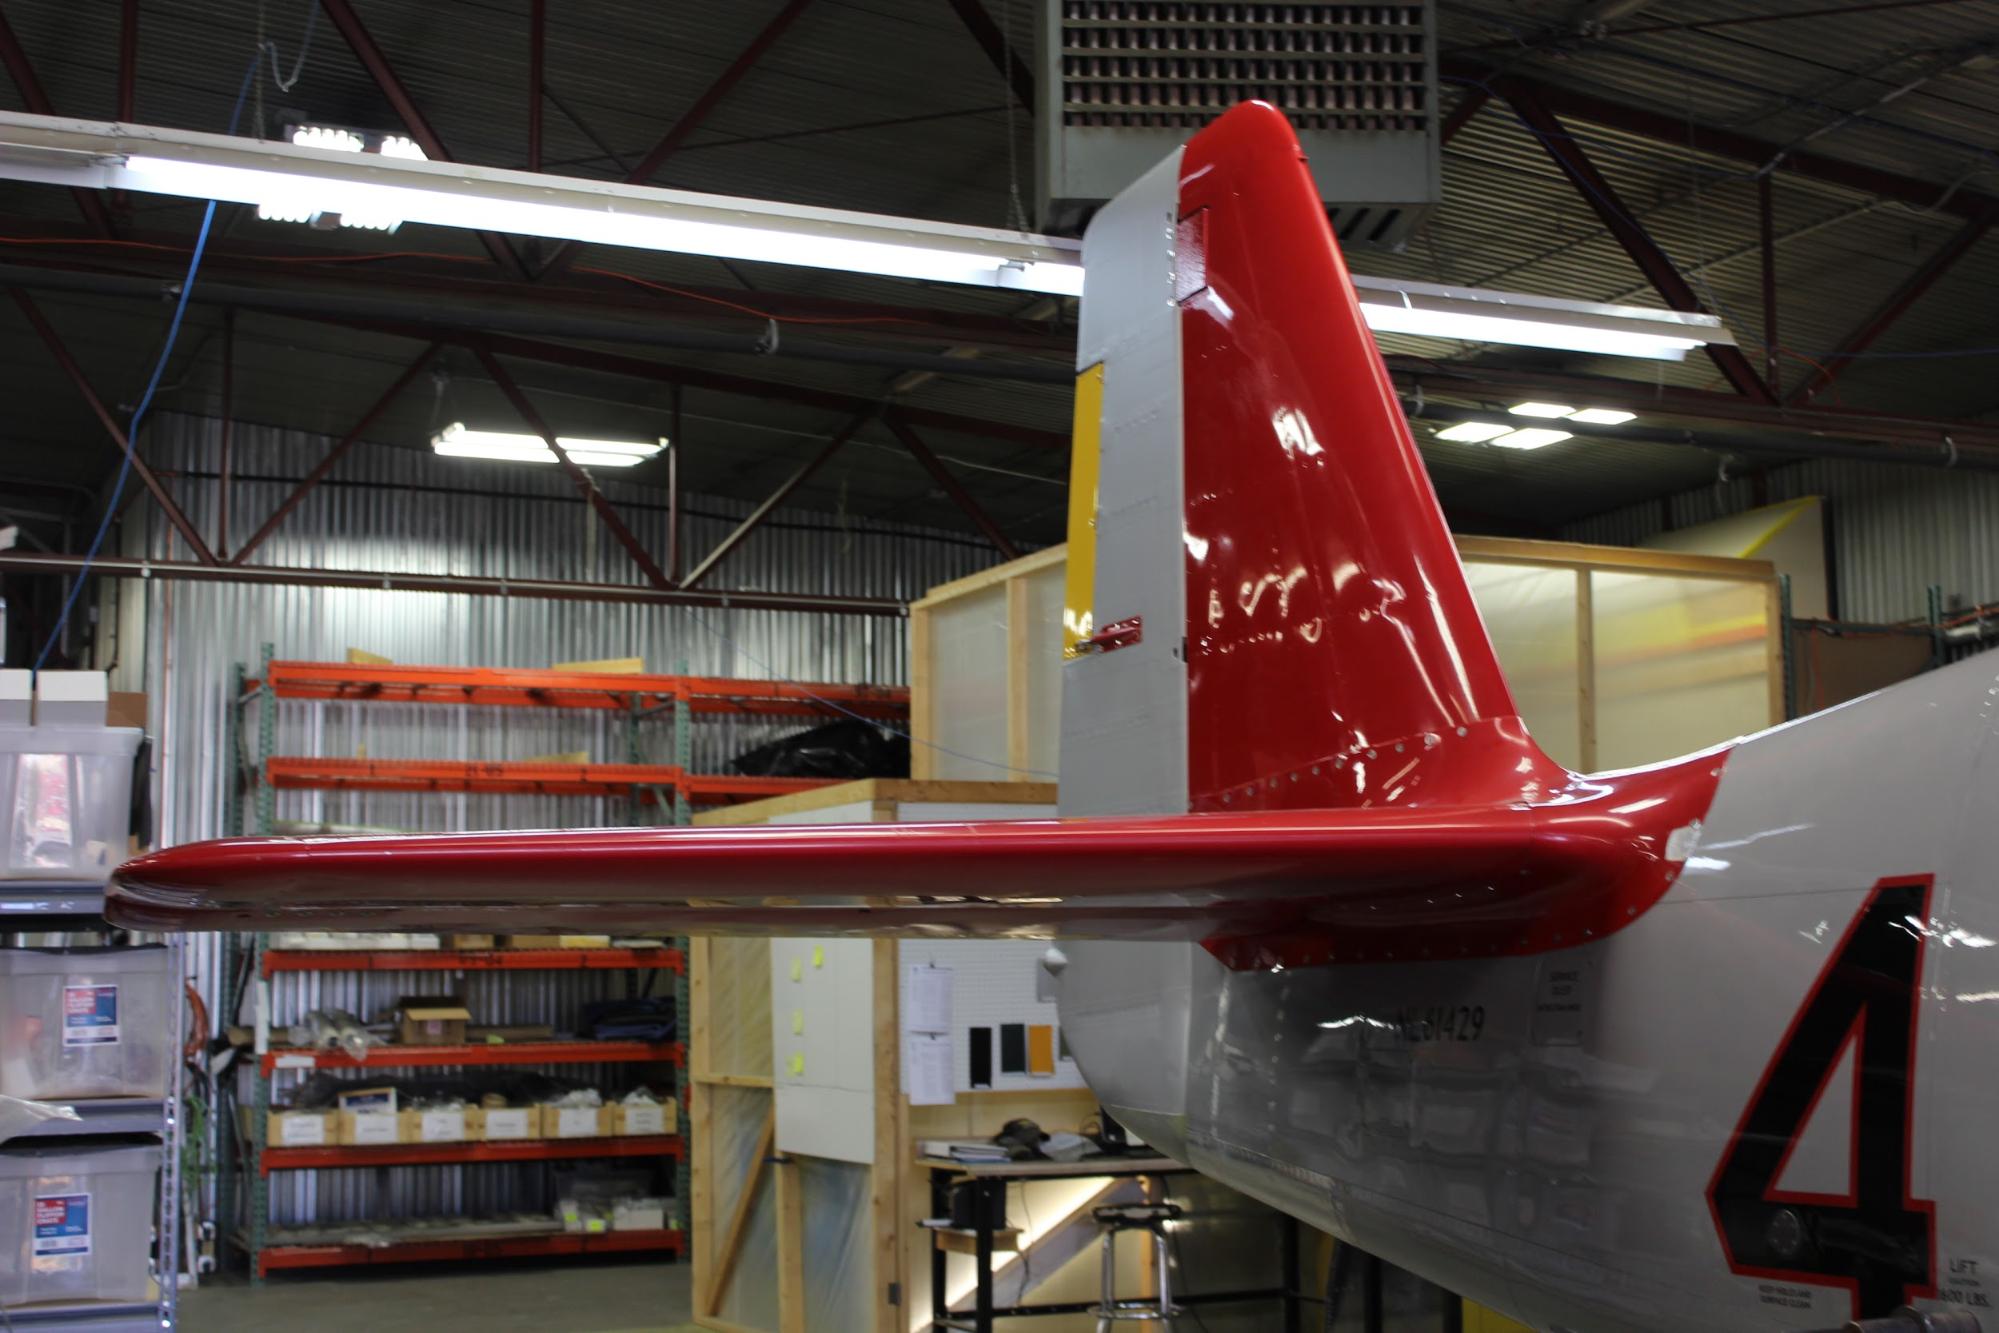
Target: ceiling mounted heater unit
[{"x": 1121, "y": 82}]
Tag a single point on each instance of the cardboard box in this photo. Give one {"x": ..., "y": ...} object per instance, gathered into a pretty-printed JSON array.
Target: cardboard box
[
  {"x": 638, "y": 1215},
  {"x": 627, "y": 1119},
  {"x": 302, "y": 1129},
  {"x": 434, "y": 1126},
  {"x": 558, "y": 941},
  {"x": 366, "y": 1099},
  {"x": 431, "y": 1020},
  {"x": 581, "y": 1122},
  {"x": 496, "y": 1123},
  {"x": 363, "y": 1129},
  {"x": 466, "y": 943},
  {"x": 126, "y": 709}
]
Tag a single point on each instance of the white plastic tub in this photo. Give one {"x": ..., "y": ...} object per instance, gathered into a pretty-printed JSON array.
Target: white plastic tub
[
  {"x": 76, "y": 1225},
  {"x": 84, "y": 1022},
  {"x": 65, "y": 800}
]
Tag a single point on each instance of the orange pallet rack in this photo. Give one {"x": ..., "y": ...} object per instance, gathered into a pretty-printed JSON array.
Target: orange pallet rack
[
  {"x": 469, "y": 960},
  {"x": 288, "y": 772},
  {"x": 492, "y": 1247},
  {"x": 496, "y": 1150},
  {"x": 508, "y": 688},
  {"x": 493, "y": 1053}
]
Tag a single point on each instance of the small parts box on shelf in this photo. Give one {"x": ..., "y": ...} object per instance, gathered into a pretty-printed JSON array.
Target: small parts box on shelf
[
  {"x": 575, "y": 1122},
  {"x": 507, "y": 1122},
  {"x": 75, "y": 1225},
  {"x": 431, "y": 1020},
  {"x": 470, "y": 1124},
  {"x": 84, "y": 1022}
]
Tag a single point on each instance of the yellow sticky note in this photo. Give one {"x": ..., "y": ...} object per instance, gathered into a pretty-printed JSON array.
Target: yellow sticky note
[
  {"x": 797, "y": 1022},
  {"x": 797, "y": 971},
  {"x": 818, "y": 955},
  {"x": 797, "y": 1065}
]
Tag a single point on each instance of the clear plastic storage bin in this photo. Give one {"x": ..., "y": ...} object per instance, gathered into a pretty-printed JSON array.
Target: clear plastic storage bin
[
  {"x": 65, "y": 800},
  {"x": 76, "y": 1225},
  {"x": 85, "y": 1022}
]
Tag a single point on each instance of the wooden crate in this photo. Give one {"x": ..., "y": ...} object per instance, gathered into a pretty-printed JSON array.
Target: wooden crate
[
  {"x": 741, "y": 1200},
  {"x": 1617, "y": 656}
]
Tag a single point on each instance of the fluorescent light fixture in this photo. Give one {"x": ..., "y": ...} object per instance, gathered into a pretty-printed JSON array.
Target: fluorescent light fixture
[
  {"x": 393, "y": 182},
  {"x": 290, "y": 179},
  {"x": 1474, "y": 432},
  {"x": 332, "y": 139},
  {"x": 1532, "y": 437},
  {"x": 1602, "y": 416},
  {"x": 455, "y": 441},
  {"x": 1472, "y": 314},
  {"x": 335, "y": 139},
  {"x": 1541, "y": 410}
]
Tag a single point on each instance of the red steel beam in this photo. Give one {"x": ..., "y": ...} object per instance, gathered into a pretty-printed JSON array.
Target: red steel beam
[
  {"x": 1866, "y": 333},
  {"x": 691, "y": 119},
  {"x": 187, "y": 530},
  {"x": 471, "y": 585},
  {"x": 589, "y": 358},
  {"x": 226, "y": 467},
  {"x": 1005, "y": 57},
  {"x": 584, "y": 482},
  {"x": 1468, "y": 105},
  {"x": 57, "y": 246},
  {"x": 776, "y": 498},
  {"x": 537, "y": 52},
  {"x": 1500, "y": 384},
  {"x": 36, "y": 99},
  {"x": 335, "y": 454},
  {"x": 372, "y": 59},
  {"x": 674, "y": 444},
  {"x": 1767, "y": 239},
  {"x": 1653, "y": 262},
  {"x": 1672, "y": 128},
  {"x": 951, "y": 485}
]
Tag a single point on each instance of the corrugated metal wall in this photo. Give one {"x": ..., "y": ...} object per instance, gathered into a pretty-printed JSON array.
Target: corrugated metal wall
[
  {"x": 403, "y": 510},
  {"x": 1894, "y": 530}
]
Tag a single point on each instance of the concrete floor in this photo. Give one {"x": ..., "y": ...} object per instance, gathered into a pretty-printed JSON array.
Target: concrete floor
[{"x": 598, "y": 1297}]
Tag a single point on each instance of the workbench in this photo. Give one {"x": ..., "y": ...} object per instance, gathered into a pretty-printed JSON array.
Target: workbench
[{"x": 989, "y": 1181}]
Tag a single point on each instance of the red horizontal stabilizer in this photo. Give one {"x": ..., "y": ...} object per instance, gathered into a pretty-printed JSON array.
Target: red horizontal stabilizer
[{"x": 1269, "y": 886}]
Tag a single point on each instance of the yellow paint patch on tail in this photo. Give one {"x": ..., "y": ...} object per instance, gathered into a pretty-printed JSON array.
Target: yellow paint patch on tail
[{"x": 1086, "y": 442}]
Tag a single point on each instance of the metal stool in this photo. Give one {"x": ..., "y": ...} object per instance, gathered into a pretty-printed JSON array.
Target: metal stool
[{"x": 1151, "y": 1217}]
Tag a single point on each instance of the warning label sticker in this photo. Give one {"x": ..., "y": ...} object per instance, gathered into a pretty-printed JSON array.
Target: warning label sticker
[
  {"x": 90, "y": 1015},
  {"x": 62, "y": 1226}
]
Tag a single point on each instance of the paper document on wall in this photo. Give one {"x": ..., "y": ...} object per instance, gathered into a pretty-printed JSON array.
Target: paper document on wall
[
  {"x": 926, "y": 1004},
  {"x": 928, "y": 1068}
]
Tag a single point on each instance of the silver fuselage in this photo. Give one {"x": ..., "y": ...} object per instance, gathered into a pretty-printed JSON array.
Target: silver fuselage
[{"x": 1539, "y": 1133}]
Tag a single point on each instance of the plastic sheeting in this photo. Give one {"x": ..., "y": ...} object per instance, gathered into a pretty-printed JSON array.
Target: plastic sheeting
[
  {"x": 750, "y": 1299},
  {"x": 1530, "y": 613},
  {"x": 1680, "y": 663},
  {"x": 838, "y": 1258}
]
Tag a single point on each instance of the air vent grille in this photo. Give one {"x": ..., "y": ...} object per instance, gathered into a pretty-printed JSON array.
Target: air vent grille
[{"x": 1177, "y": 64}]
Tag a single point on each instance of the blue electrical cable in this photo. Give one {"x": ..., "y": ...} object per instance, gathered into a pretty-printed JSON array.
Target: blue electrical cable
[{"x": 146, "y": 398}]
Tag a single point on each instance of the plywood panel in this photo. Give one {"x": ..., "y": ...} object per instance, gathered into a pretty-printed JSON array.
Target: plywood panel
[{"x": 737, "y": 1036}]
